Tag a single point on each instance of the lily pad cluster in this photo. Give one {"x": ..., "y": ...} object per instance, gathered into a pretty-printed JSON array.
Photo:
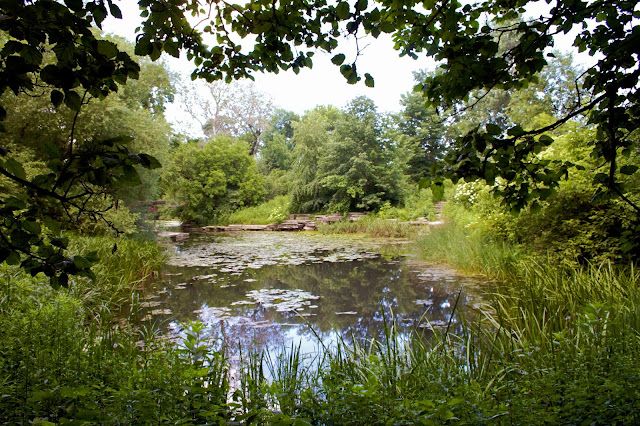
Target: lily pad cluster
[{"x": 237, "y": 253}]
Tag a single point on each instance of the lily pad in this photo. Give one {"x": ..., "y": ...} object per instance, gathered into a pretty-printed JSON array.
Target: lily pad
[{"x": 282, "y": 300}]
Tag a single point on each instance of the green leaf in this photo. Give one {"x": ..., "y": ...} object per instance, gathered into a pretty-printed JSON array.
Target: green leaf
[
  {"x": 493, "y": 129},
  {"x": 342, "y": 10},
  {"x": 155, "y": 52},
  {"x": 56, "y": 98},
  {"x": 75, "y": 5},
  {"x": 130, "y": 176},
  {"x": 115, "y": 10},
  {"x": 107, "y": 48},
  {"x": 20, "y": 238},
  {"x": 338, "y": 59},
  {"x": 516, "y": 131},
  {"x": 31, "y": 55},
  {"x": 368, "y": 80},
  {"x": 545, "y": 139},
  {"x": 143, "y": 46},
  {"x": 171, "y": 48},
  {"x": 81, "y": 262},
  {"x": 63, "y": 280},
  {"x": 14, "y": 167},
  {"x": 149, "y": 162},
  {"x": 60, "y": 242},
  {"x": 52, "y": 150},
  {"x": 15, "y": 203},
  {"x": 424, "y": 183},
  {"x": 31, "y": 227},
  {"x": 4, "y": 253},
  {"x": 52, "y": 225},
  {"x": 13, "y": 258},
  {"x": 73, "y": 100},
  {"x": 628, "y": 169}
]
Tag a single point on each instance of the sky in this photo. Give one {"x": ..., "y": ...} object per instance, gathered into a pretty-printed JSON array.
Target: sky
[{"x": 321, "y": 85}]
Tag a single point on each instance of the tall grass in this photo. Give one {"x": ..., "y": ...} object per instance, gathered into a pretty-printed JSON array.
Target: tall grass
[
  {"x": 549, "y": 346},
  {"x": 272, "y": 211},
  {"x": 469, "y": 251},
  {"x": 371, "y": 226},
  {"x": 125, "y": 265},
  {"x": 63, "y": 358}
]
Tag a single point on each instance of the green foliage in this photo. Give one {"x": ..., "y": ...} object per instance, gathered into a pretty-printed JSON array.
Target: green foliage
[
  {"x": 417, "y": 205},
  {"x": 571, "y": 227},
  {"x": 343, "y": 162},
  {"x": 465, "y": 243},
  {"x": 371, "y": 226},
  {"x": 487, "y": 54},
  {"x": 310, "y": 135},
  {"x": 421, "y": 134},
  {"x": 66, "y": 151},
  {"x": 551, "y": 346},
  {"x": 211, "y": 183},
  {"x": 277, "y": 144},
  {"x": 486, "y": 51},
  {"x": 272, "y": 211}
]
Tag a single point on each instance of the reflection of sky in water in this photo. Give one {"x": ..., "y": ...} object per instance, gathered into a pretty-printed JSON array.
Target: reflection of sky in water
[{"x": 271, "y": 290}]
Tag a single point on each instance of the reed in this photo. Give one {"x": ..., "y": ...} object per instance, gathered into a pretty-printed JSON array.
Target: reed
[
  {"x": 372, "y": 226},
  {"x": 550, "y": 345},
  {"x": 273, "y": 211}
]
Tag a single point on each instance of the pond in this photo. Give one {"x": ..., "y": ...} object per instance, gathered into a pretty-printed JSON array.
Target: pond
[{"x": 268, "y": 290}]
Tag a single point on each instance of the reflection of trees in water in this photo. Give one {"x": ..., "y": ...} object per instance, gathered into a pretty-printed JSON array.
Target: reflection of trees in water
[{"x": 375, "y": 289}]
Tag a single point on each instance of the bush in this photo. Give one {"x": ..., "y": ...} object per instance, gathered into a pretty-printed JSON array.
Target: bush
[{"x": 209, "y": 184}]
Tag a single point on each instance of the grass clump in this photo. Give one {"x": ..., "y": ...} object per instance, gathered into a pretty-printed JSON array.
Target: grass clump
[
  {"x": 370, "y": 225},
  {"x": 275, "y": 210},
  {"x": 551, "y": 345}
]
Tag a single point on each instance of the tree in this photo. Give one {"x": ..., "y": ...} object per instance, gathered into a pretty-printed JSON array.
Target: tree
[
  {"x": 342, "y": 162},
  {"x": 466, "y": 39},
  {"x": 356, "y": 166},
  {"x": 310, "y": 135},
  {"x": 50, "y": 49},
  {"x": 232, "y": 109},
  {"x": 421, "y": 133},
  {"x": 210, "y": 183},
  {"x": 277, "y": 143}
]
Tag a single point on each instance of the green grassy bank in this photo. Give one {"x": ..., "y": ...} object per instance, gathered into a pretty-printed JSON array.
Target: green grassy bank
[{"x": 551, "y": 345}]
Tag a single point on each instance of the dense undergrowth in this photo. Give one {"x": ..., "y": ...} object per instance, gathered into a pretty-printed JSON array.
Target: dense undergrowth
[
  {"x": 68, "y": 356},
  {"x": 551, "y": 345}
]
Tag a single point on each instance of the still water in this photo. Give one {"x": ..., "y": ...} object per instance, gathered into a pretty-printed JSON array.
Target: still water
[{"x": 268, "y": 290}]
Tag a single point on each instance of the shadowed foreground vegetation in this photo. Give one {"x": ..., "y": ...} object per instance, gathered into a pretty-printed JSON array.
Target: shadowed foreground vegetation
[{"x": 551, "y": 346}]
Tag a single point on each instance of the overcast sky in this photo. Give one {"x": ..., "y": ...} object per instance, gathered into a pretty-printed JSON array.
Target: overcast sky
[{"x": 322, "y": 85}]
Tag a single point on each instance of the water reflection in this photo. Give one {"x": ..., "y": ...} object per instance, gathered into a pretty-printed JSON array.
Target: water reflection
[{"x": 266, "y": 290}]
